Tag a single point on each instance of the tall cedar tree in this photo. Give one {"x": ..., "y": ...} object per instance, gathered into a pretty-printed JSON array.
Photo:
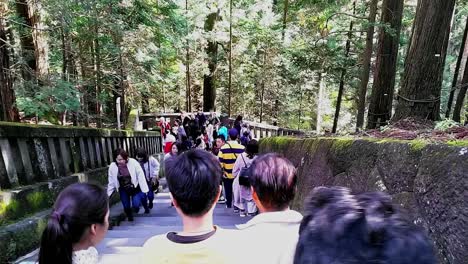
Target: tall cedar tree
[
  {"x": 366, "y": 62},
  {"x": 419, "y": 96},
  {"x": 383, "y": 88},
  {"x": 8, "y": 111},
  {"x": 455, "y": 82},
  {"x": 209, "y": 88}
]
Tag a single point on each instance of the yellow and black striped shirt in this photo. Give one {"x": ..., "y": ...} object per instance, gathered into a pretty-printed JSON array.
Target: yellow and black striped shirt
[{"x": 227, "y": 156}]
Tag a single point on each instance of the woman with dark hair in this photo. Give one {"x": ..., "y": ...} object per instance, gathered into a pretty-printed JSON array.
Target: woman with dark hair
[
  {"x": 242, "y": 193},
  {"x": 238, "y": 124},
  {"x": 150, "y": 167},
  {"x": 127, "y": 177},
  {"x": 79, "y": 221}
]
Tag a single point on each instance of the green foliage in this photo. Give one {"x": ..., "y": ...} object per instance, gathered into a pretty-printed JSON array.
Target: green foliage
[{"x": 446, "y": 124}]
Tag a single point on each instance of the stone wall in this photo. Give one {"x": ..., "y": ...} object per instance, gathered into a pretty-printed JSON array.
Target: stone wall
[
  {"x": 37, "y": 162},
  {"x": 429, "y": 181}
]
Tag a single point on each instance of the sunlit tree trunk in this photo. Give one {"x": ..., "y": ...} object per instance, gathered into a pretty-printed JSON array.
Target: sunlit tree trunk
[
  {"x": 366, "y": 63},
  {"x": 419, "y": 96}
]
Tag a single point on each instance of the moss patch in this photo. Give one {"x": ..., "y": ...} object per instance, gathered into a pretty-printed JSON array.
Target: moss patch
[
  {"x": 417, "y": 145},
  {"x": 458, "y": 143}
]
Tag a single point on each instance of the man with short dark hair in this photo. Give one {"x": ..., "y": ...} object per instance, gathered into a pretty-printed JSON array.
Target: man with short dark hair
[
  {"x": 271, "y": 236},
  {"x": 227, "y": 157},
  {"x": 194, "y": 181}
]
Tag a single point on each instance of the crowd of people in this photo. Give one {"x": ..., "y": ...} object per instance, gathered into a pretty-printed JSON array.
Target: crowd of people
[{"x": 337, "y": 226}]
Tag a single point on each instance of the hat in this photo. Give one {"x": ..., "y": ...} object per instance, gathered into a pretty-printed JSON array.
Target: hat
[{"x": 233, "y": 132}]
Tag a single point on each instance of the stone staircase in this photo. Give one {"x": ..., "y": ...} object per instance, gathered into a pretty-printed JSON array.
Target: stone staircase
[{"x": 124, "y": 242}]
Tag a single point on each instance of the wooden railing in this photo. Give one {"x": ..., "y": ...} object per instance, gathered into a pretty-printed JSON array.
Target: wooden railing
[
  {"x": 32, "y": 154},
  {"x": 260, "y": 130}
]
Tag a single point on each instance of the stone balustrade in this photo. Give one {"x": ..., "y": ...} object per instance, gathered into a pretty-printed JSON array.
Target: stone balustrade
[{"x": 33, "y": 153}]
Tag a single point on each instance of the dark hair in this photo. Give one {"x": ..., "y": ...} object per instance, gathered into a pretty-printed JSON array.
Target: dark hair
[
  {"x": 193, "y": 179},
  {"x": 221, "y": 137},
  {"x": 142, "y": 153},
  {"x": 252, "y": 148},
  {"x": 77, "y": 207},
  {"x": 342, "y": 228},
  {"x": 239, "y": 118},
  {"x": 120, "y": 152},
  {"x": 273, "y": 177}
]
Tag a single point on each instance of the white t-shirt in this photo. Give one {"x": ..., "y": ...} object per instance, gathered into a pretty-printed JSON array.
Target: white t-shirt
[{"x": 87, "y": 256}]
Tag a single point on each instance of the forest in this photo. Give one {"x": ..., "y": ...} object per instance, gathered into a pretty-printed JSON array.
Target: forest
[{"x": 315, "y": 65}]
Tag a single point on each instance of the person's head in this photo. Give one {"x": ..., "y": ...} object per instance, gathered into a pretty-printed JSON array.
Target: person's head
[
  {"x": 233, "y": 133},
  {"x": 174, "y": 148},
  {"x": 252, "y": 148},
  {"x": 79, "y": 218},
  {"x": 273, "y": 180},
  {"x": 120, "y": 156},
  {"x": 239, "y": 118},
  {"x": 220, "y": 141},
  {"x": 194, "y": 180},
  {"x": 343, "y": 228},
  {"x": 142, "y": 155},
  {"x": 162, "y": 120}
]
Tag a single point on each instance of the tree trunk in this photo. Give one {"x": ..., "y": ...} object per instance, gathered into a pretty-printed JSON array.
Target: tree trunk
[
  {"x": 461, "y": 55},
  {"x": 461, "y": 96},
  {"x": 230, "y": 61},
  {"x": 188, "y": 103},
  {"x": 383, "y": 88},
  {"x": 33, "y": 44},
  {"x": 419, "y": 96},
  {"x": 285, "y": 18},
  {"x": 366, "y": 62},
  {"x": 321, "y": 83},
  {"x": 8, "y": 110},
  {"x": 209, "y": 89},
  {"x": 97, "y": 70},
  {"x": 343, "y": 74}
]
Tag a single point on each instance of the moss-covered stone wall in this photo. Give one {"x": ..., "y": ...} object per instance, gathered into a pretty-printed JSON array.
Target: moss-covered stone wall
[{"x": 429, "y": 181}]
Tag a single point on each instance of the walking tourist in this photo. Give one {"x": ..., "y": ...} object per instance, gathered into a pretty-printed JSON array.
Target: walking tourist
[
  {"x": 194, "y": 180},
  {"x": 223, "y": 131},
  {"x": 127, "y": 177},
  {"x": 174, "y": 151},
  {"x": 227, "y": 157},
  {"x": 238, "y": 124},
  {"x": 242, "y": 193},
  {"x": 150, "y": 167},
  {"x": 340, "y": 227},
  {"x": 79, "y": 221},
  {"x": 220, "y": 141},
  {"x": 272, "y": 235}
]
